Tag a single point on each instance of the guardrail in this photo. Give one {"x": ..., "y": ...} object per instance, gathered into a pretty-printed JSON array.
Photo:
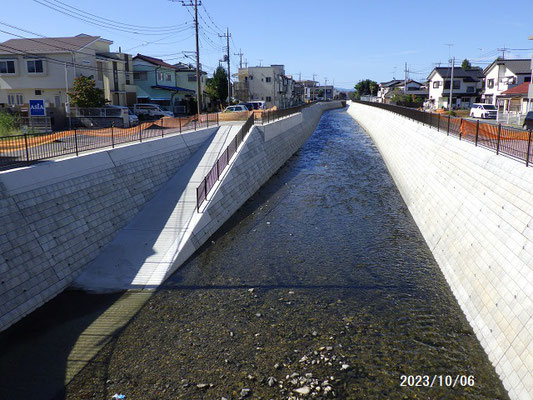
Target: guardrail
[
  {"x": 216, "y": 171},
  {"x": 513, "y": 142},
  {"x": 20, "y": 150}
]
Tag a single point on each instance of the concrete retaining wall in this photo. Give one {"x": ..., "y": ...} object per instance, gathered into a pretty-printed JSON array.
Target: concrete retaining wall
[
  {"x": 475, "y": 211},
  {"x": 55, "y": 217}
]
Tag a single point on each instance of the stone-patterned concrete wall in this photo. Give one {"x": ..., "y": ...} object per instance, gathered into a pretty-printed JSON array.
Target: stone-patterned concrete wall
[
  {"x": 55, "y": 217},
  {"x": 264, "y": 151},
  {"x": 475, "y": 211}
]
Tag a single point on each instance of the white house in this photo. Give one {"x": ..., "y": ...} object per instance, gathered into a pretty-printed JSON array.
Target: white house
[
  {"x": 409, "y": 87},
  {"x": 45, "y": 68},
  {"x": 503, "y": 75},
  {"x": 530, "y": 91},
  {"x": 467, "y": 86}
]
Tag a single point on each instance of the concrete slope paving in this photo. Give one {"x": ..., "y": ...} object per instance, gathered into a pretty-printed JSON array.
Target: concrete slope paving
[{"x": 156, "y": 242}]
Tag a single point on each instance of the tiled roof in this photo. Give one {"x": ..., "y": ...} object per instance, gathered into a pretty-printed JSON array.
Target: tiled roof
[
  {"x": 516, "y": 66},
  {"x": 46, "y": 45},
  {"x": 154, "y": 61},
  {"x": 523, "y": 88}
]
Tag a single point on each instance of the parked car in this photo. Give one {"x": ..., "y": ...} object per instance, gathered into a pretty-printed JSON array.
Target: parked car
[
  {"x": 257, "y": 104},
  {"x": 146, "y": 110},
  {"x": 134, "y": 120},
  {"x": 249, "y": 106},
  {"x": 480, "y": 110},
  {"x": 528, "y": 122},
  {"x": 237, "y": 108}
]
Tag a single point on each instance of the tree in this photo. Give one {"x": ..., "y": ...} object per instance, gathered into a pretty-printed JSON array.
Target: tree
[
  {"x": 366, "y": 88},
  {"x": 85, "y": 93},
  {"x": 466, "y": 64},
  {"x": 217, "y": 86}
]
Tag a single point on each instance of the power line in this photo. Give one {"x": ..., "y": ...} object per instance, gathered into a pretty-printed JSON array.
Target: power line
[{"x": 92, "y": 21}]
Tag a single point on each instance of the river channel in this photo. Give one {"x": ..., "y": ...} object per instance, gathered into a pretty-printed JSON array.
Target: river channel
[{"x": 320, "y": 286}]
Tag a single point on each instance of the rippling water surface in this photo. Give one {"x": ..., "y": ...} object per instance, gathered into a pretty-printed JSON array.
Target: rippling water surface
[{"x": 320, "y": 286}]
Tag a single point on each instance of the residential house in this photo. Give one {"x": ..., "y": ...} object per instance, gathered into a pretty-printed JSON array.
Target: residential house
[
  {"x": 530, "y": 91},
  {"x": 268, "y": 83},
  {"x": 386, "y": 90},
  {"x": 310, "y": 89},
  {"x": 467, "y": 86},
  {"x": 516, "y": 99},
  {"x": 171, "y": 86},
  {"x": 45, "y": 68},
  {"x": 503, "y": 75}
]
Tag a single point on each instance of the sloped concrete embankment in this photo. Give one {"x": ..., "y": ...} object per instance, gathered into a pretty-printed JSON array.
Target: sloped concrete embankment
[
  {"x": 170, "y": 229},
  {"x": 475, "y": 211},
  {"x": 56, "y": 217}
]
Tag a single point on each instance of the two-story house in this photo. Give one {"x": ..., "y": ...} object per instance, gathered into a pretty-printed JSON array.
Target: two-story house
[
  {"x": 45, "y": 69},
  {"x": 386, "y": 90},
  {"x": 503, "y": 75},
  {"x": 170, "y": 86},
  {"x": 467, "y": 86}
]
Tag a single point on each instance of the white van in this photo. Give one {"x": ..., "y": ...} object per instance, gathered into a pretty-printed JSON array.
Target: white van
[
  {"x": 482, "y": 110},
  {"x": 151, "y": 110}
]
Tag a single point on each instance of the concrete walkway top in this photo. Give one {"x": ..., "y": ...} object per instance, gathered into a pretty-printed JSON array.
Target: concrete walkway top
[{"x": 142, "y": 255}]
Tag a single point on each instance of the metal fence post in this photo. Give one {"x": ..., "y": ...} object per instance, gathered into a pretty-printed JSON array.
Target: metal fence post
[
  {"x": 499, "y": 135},
  {"x": 207, "y": 116},
  {"x": 460, "y": 129},
  {"x": 140, "y": 134},
  {"x": 112, "y": 136},
  {"x": 438, "y": 123},
  {"x": 26, "y": 146},
  {"x": 448, "y": 131},
  {"x": 195, "y": 123},
  {"x": 528, "y": 148},
  {"x": 477, "y": 131},
  {"x": 180, "y": 124},
  {"x": 76, "y": 141},
  {"x": 217, "y": 120}
]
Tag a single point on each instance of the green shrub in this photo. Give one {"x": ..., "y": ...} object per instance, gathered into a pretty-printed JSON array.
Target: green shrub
[{"x": 9, "y": 124}]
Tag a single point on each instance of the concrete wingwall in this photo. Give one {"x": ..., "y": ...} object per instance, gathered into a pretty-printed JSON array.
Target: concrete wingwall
[
  {"x": 55, "y": 217},
  {"x": 475, "y": 211},
  {"x": 265, "y": 150}
]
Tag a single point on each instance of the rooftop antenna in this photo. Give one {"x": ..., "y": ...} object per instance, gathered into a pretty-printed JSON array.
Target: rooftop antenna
[
  {"x": 260, "y": 62},
  {"x": 449, "y": 50},
  {"x": 503, "y": 50}
]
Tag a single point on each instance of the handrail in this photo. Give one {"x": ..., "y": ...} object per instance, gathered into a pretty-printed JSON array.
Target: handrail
[
  {"x": 513, "y": 142},
  {"x": 216, "y": 171}
]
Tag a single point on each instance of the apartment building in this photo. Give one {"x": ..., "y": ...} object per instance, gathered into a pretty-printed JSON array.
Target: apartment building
[
  {"x": 269, "y": 84},
  {"x": 45, "y": 69}
]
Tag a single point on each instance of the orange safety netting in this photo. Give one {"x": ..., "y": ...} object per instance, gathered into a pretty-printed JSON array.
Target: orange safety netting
[
  {"x": 19, "y": 143},
  {"x": 490, "y": 131}
]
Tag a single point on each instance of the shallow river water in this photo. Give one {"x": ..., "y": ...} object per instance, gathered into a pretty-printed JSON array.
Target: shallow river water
[{"x": 320, "y": 286}]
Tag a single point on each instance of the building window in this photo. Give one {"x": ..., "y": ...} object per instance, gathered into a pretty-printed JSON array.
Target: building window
[
  {"x": 35, "y": 66},
  {"x": 15, "y": 99},
  {"x": 128, "y": 76},
  {"x": 7, "y": 67},
  {"x": 140, "y": 76},
  {"x": 268, "y": 79},
  {"x": 436, "y": 84},
  {"x": 191, "y": 77},
  {"x": 527, "y": 79},
  {"x": 268, "y": 98},
  {"x": 100, "y": 69},
  {"x": 470, "y": 89},
  {"x": 251, "y": 77},
  {"x": 490, "y": 83},
  {"x": 38, "y": 92},
  {"x": 168, "y": 77}
]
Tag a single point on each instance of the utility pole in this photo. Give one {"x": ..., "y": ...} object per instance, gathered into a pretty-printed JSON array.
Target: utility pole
[
  {"x": 503, "y": 50},
  {"x": 260, "y": 62},
  {"x": 195, "y": 4},
  {"x": 67, "y": 101},
  {"x": 451, "y": 86},
  {"x": 227, "y": 36},
  {"x": 325, "y": 89},
  {"x": 405, "y": 80},
  {"x": 240, "y": 54}
]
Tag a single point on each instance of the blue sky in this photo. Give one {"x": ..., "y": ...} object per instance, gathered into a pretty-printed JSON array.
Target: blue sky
[{"x": 341, "y": 40}]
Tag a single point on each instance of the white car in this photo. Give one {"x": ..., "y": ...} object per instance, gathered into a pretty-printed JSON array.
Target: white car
[
  {"x": 151, "y": 110},
  {"x": 236, "y": 108},
  {"x": 480, "y": 110}
]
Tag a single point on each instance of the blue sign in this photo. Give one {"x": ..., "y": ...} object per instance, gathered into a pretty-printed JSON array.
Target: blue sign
[{"x": 37, "y": 108}]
